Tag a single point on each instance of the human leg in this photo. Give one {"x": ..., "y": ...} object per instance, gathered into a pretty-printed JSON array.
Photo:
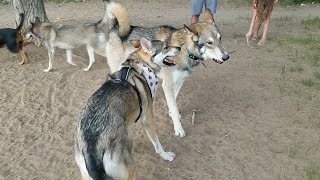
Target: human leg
[{"x": 197, "y": 6}]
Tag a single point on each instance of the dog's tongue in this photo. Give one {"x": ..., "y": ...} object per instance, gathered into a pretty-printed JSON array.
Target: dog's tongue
[{"x": 169, "y": 62}]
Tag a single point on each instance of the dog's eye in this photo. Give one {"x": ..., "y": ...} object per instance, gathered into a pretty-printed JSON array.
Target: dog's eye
[{"x": 209, "y": 43}]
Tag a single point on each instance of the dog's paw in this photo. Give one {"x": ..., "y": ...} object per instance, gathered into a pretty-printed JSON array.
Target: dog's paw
[
  {"x": 72, "y": 63},
  {"x": 86, "y": 69},
  {"x": 47, "y": 70},
  {"x": 169, "y": 156},
  {"x": 179, "y": 131}
]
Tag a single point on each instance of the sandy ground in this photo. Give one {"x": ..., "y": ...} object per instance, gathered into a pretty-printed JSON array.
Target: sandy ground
[{"x": 248, "y": 127}]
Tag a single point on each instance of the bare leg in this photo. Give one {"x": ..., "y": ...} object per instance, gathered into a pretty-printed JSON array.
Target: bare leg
[
  {"x": 195, "y": 19},
  {"x": 251, "y": 30},
  {"x": 265, "y": 31}
]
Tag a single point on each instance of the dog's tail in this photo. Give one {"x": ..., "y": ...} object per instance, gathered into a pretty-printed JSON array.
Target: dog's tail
[
  {"x": 21, "y": 22},
  {"x": 116, "y": 13},
  {"x": 94, "y": 163}
]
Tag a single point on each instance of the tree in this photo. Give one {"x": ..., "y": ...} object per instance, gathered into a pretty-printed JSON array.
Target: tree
[{"x": 31, "y": 9}]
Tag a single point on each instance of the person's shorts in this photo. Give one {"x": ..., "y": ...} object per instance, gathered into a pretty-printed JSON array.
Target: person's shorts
[{"x": 197, "y": 6}]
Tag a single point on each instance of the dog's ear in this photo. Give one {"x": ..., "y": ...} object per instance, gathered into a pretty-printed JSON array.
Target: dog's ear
[
  {"x": 135, "y": 43},
  {"x": 208, "y": 17},
  {"x": 147, "y": 46},
  {"x": 192, "y": 31}
]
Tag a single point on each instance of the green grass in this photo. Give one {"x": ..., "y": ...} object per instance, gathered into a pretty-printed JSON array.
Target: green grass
[
  {"x": 296, "y": 68},
  {"x": 281, "y": 2},
  {"x": 312, "y": 173},
  {"x": 308, "y": 82}
]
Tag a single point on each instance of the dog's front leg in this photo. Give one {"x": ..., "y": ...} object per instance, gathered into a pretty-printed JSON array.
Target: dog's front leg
[
  {"x": 168, "y": 89},
  {"x": 147, "y": 122},
  {"x": 50, "y": 54}
]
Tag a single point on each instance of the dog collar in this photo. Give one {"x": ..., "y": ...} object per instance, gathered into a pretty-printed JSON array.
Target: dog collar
[
  {"x": 150, "y": 76},
  {"x": 191, "y": 56}
]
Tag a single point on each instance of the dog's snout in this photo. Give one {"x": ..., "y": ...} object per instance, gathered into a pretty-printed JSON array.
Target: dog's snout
[{"x": 225, "y": 57}]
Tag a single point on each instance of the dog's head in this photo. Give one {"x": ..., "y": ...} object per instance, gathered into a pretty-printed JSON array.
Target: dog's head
[
  {"x": 34, "y": 29},
  {"x": 208, "y": 39},
  {"x": 155, "y": 54}
]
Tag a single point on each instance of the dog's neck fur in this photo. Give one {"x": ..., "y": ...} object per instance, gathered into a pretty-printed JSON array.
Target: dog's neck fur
[{"x": 184, "y": 62}]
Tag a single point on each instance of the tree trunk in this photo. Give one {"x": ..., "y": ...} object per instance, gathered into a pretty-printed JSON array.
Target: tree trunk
[{"x": 31, "y": 10}]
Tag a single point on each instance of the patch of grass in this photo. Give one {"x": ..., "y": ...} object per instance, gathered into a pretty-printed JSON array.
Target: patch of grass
[
  {"x": 296, "y": 68},
  {"x": 310, "y": 45},
  {"x": 314, "y": 22},
  {"x": 312, "y": 172},
  {"x": 293, "y": 152},
  {"x": 308, "y": 82},
  {"x": 317, "y": 74}
]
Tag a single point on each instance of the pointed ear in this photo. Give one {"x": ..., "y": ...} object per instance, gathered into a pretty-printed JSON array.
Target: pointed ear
[
  {"x": 191, "y": 31},
  {"x": 208, "y": 17},
  {"x": 135, "y": 43},
  {"x": 146, "y": 45}
]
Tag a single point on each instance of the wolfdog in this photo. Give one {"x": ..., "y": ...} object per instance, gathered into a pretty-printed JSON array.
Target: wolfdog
[
  {"x": 198, "y": 42},
  {"x": 103, "y": 144},
  {"x": 69, "y": 37}
]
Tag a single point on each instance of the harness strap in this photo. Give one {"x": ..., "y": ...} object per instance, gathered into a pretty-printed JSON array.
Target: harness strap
[{"x": 124, "y": 73}]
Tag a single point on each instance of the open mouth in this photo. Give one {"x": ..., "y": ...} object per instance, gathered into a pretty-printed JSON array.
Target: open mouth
[
  {"x": 168, "y": 62},
  {"x": 219, "y": 62}
]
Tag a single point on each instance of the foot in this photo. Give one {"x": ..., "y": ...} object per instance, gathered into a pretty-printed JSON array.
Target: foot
[
  {"x": 261, "y": 43},
  {"x": 168, "y": 156}
]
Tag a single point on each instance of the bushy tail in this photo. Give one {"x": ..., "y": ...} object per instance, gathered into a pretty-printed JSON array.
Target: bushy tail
[
  {"x": 116, "y": 13},
  {"x": 21, "y": 22}
]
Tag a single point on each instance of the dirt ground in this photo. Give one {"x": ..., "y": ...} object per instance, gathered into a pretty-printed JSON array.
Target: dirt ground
[{"x": 256, "y": 121}]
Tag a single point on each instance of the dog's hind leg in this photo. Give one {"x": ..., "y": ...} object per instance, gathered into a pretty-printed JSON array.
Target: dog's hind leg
[
  {"x": 50, "y": 54},
  {"x": 82, "y": 166},
  {"x": 24, "y": 57},
  {"x": 147, "y": 122},
  {"x": 69, "y": 57},
  {"x": 91, "y": 57}
]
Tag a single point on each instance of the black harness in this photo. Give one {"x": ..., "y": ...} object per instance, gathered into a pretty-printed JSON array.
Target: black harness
[{"x": 124, "y": 73}]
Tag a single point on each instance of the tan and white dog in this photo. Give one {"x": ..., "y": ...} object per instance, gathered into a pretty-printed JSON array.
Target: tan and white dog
[{"x": 199, "y": 42}]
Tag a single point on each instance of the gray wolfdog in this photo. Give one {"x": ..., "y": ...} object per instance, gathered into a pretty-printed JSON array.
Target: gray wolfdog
[
  {"x": 198, "y": 42},
  {"x": 103, "y": 144},
  {"x": 69, "y": 37}
]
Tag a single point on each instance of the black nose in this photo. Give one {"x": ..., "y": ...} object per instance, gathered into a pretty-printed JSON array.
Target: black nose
[{"x": 225, "y": 57}]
